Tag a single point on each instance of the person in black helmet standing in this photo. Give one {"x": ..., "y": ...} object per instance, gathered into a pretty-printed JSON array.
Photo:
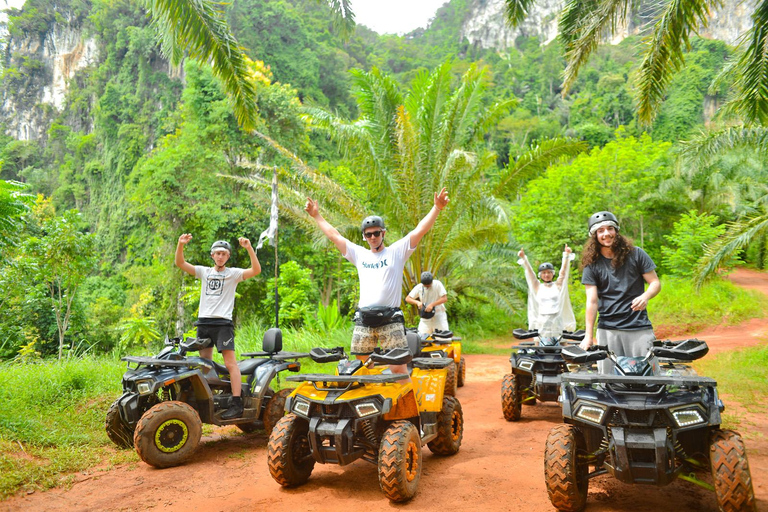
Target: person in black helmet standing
[
  {"x": 614, "y": 274},
  {"x": 378, "y": 319},
  {"x": 217, "y": 300},
  {"x": 429, "y": 296}
]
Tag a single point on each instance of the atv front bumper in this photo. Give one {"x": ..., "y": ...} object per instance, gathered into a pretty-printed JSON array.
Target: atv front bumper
[{"x": 333, "y": 442}]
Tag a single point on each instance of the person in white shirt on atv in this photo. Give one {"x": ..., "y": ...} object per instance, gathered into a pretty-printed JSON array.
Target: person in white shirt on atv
[
  {"x": 549, "y": 305},
  {"x": 378, "y": 319}
]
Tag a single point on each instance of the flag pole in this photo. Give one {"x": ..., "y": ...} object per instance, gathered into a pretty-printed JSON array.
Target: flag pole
[{"x": 277, "y": 266}]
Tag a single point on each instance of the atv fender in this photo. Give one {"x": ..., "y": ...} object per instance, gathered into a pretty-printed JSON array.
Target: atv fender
[
  {"x": 456, "y": 352},
  {"x": 404, "y": 407},
  {"x": 428, "y": 385}
]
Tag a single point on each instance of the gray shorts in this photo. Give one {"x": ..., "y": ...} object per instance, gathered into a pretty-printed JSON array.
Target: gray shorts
[
  {"x": 365, "y": 339},
  {"x": 624, "y": 343}
]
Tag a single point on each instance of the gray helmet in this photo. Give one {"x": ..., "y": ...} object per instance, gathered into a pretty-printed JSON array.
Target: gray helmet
[
  {"x": 426, "y": 278},
  {"x": 221, "y": 244},
  {"x": 372, "y": 221},
  {"x": 600, "y": 218},
  {"x": 546, "y": 266}
]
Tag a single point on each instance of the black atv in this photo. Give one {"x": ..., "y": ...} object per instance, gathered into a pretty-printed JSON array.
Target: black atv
[
  {"x": 167, "y": 398},
  {"x": 652, "y": 421},
  {"x": 536, "y": 370}
]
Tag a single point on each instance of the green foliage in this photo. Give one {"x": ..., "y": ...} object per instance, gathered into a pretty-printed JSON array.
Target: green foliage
[
  {"x": 689, "y": 237},
  {"x": 297, "y": 293},
  {"x": 681, "y": 308}
]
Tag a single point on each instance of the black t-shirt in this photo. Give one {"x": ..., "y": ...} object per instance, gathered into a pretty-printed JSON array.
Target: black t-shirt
[{"x": 617, "y": 288}]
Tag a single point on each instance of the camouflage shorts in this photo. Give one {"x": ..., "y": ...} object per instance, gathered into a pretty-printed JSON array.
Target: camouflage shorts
[{"x": 364, "y": 339}]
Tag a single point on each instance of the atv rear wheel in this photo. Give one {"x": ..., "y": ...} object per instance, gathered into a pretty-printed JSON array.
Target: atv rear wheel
[
  {"x": 289, "y": 455},
  {"x": 450, "y": 380},
  {"x": 450, "y": 428},
  {"x": 117, "y": 431},
  {"x": 168, "y": 434},
  {"x": 510, "y": 397},
  {"x": 275, "y": 409},
  {"x": 462, "y": 374},
  {"x": 565, "y": 478},
  {"x": 400, "y": 461},
  {"x": 730, "y": 472}
]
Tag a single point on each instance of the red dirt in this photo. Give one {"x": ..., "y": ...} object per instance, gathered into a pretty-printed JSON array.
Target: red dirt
[{"x": 500, "y": 465}]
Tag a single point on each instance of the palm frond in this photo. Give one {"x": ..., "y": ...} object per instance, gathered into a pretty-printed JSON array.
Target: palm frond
[
  {"x": 343, "y": 17},
  {"x": 705, "y": 146},
  {"x": 515, "y": 11},
  {"x": 200, "y": 27},
  {"x": 535, "y": 161},
  {"x": 738, "y": 236},
  {"x": 664, "y": 55},
  {"x": 751, "y": 70}
]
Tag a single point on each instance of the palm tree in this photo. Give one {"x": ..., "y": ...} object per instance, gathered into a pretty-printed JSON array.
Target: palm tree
[
  {"x": 584, "y": 23},
  {"x": 745, "y": 189},
  {"x": 402, "y": 149}
]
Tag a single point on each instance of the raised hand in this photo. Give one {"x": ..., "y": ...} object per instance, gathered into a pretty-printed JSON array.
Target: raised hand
[
  {"x": 312, "y": 208},
  {"x": 441, "y": 199},
  {"x": 244, "y": 242},
  {"x": 567, "y": 249},
  {"x": 185, "y": 238},
  {"x": 521, "y": 254}
]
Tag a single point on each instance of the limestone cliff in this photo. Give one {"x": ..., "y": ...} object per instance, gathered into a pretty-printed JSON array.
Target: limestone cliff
[{"x": 485, "y": 25}]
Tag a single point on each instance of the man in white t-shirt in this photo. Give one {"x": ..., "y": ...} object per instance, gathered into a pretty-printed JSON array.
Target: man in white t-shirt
[
  {"x": 380, "y": 273},
  {"x": 217, "y": 300},
  {"x": 429, "y": 296}
]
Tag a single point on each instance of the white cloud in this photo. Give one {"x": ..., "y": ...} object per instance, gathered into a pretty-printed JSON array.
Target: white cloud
[{"x": 395, "y": 16}]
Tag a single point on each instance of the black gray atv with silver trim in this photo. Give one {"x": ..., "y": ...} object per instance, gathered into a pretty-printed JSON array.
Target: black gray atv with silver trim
[{"x": 167, "y": 398}]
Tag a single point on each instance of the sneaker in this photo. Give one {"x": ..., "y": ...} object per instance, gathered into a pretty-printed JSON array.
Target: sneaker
[{"x": 235, "y": 410}]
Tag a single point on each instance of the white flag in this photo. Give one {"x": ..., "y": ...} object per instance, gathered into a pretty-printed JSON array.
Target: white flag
[{"x": 271, "y": 231}]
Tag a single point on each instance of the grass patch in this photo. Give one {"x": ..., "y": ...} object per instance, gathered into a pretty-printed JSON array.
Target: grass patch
[
  {"x": 741, "y": 375},
  {"x": 681, "y": 309}
]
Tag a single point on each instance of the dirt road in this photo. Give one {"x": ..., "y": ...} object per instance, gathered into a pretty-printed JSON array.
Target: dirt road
[{"x": 499, "y": 467}]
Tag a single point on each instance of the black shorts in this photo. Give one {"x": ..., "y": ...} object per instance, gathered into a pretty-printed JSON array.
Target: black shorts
[{"x": 221, "y": 336}]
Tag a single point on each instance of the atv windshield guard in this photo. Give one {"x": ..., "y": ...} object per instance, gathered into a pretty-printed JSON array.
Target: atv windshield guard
[
  {"x": 661, "y": 380},
  {"x": 577, "y": 355},
  {"x": 686, "y": 350},
  {"x": 323, "y": 355},
  {"x": 396, "y": 356},
  {"x": 523, "y": 334},
  {"x": 575, "y": 335}
]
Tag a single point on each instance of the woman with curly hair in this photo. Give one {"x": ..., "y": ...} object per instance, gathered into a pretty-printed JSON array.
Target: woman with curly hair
[{"x": 614, "y": 274}]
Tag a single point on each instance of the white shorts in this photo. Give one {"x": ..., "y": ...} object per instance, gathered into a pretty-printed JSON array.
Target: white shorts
[{"x": 439, "y": 321}]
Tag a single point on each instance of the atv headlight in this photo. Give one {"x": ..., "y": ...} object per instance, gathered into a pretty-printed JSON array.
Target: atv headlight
[
  {"x": 144, "y": 387},
  {"x": 301, "y": 407},
  {"x": 366, "y": 409},
  {"x": 525, "y": 364},
  {"x": 591, "y": 413},
  {"x": 688, "y": 416}
]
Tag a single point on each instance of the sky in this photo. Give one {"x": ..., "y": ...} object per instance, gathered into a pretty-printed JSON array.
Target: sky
[{"x": 395, "y": 16}]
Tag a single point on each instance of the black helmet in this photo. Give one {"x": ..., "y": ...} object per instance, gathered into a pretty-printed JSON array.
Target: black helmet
[
  {"x": 426, "y": 278},
  {"x": 546, "y": 266},
  {"x": 372, "y": 221},
  {"x": 221, "y": 244},
  {"x": 600, "y": 217}
]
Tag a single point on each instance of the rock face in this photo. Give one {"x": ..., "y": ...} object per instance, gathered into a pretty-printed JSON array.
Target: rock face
[
  {"x": 485, "y": 25},
  {"x": 44, "y": 64}
]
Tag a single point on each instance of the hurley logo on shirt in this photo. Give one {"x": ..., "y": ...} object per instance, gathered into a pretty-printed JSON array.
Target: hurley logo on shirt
[{"x": 381, "y": 264}]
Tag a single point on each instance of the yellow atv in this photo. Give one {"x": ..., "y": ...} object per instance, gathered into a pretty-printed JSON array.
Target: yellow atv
[
  {"x": 445, "y": 344},
  {"x": 367, "y": 412}
]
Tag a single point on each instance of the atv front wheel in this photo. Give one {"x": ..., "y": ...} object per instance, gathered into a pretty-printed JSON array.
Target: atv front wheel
[
  {"x": 730, "y": 472},
  {"x": 462, "y": 374},
  {"x": 168, "y": 434},
  {"x": 510, "y": 397},
  {"x": 117, "y": 431},
  {"x": 400, "y": 461},
  {"x": 275, "y": 409},
  {"x": 565, "y": 478},
  {"x": 450, "y": 428},
  {"x": 450, "y": 380},
  {"x": 289, "y": 455}
]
